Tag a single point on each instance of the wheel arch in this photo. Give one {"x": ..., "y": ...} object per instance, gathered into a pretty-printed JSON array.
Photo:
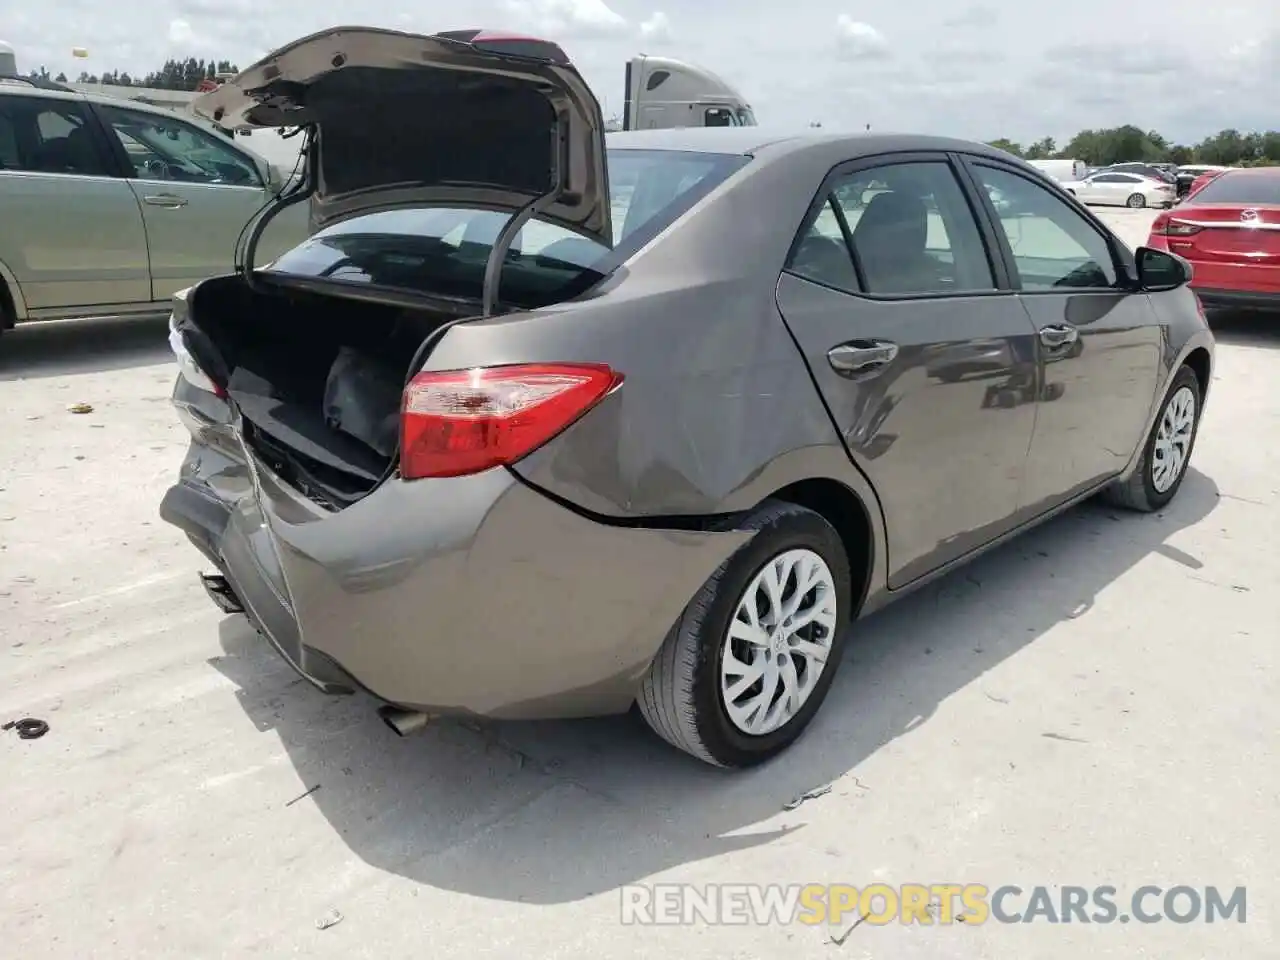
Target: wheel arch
[
  {"x": 1197, "y": 354},
  {"x": 1201, "y": 365},
  {"x": 852, "y": 519},
  {"x": 13, "y": 306}
]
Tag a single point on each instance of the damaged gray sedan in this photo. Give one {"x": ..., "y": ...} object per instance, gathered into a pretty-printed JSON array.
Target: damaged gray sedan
[{"x": 538, "y": 425}]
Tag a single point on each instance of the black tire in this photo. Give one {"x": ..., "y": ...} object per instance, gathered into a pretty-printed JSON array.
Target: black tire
[
  {"x": 680, "y": 697},
  {"x": 7, "y": 318},
  {"x": 1139, "y": 491},
  {"x": 1136, "y": 201}
]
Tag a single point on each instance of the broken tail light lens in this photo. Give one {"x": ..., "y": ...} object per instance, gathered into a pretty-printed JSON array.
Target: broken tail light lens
[
  {"x": 460, "y": 422},
  {"x": 188, "y": 369}
]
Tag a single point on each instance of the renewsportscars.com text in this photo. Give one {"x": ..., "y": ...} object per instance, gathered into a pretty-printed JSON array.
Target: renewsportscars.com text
[{"x": 927, "y": 904}]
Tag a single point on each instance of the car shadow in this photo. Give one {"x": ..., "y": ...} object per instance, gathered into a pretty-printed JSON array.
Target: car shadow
[
  {"x": 555, "y": 812},
  {"x": 64, "y": 347},
  {"x": 1246, "y": 328}
]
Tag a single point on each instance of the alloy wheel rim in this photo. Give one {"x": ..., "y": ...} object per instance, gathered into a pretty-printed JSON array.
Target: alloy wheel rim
[
  {"x": 1173, "y": 439},
  {"x": 778, "y": 642}
]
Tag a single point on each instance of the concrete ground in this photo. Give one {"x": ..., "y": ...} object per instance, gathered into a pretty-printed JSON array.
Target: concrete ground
[{"x": 1094, "y": 704}]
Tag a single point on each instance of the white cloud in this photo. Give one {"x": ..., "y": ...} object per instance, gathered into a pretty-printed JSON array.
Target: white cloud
[
  {"x": 657, "y": 29},
  {"x": 567, "y": 18},
  {"x": 977, "y": 68},
  {"x": 974, "y": 18},
  {"x": 180, "y": 32},
  {"x": 860, "y": 40}
]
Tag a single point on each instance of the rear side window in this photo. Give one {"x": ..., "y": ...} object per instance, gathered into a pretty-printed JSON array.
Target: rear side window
[
  {"x": 47, "y": 135},
  {"x": 1054, "y": 247},
  {"x": 1249, "y": 189},
  {"x": 910, "y": 230},
  {"x": 444, "y": 251}
]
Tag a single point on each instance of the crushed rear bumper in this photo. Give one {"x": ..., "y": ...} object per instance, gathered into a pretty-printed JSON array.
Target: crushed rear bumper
[{"x": 474, "y": 595}]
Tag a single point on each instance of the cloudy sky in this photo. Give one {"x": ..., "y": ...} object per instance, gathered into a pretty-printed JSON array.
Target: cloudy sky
[{"x": 995, "y": 68}]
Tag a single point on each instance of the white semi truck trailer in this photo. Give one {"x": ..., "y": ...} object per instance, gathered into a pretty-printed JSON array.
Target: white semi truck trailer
[{"x": 663, "y": 93}]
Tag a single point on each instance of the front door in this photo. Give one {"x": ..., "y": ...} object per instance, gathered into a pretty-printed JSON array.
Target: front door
[
  {"x": 1098, "y": 344},
  {"x": 197, "y": 193},
  {"x": 70, "y": 231},
  {"x": 925, "y": 364}
]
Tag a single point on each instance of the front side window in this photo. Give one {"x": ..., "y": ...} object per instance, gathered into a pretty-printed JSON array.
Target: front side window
[
  {"x": 48, "y": 136},
  {"x": 910, "y": 228},
  {"x": 444, "y": 251},
  {"x": 1054, "y": 247},
  {"x": 720, "y": 117},
  {"x": 164, "y": 148}
]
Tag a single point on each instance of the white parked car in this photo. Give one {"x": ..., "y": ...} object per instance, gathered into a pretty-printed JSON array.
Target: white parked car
[{"x": 1123, "y": 190}]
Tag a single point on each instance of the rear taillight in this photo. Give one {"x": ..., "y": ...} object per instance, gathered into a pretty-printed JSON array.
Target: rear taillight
[
  {"x": 458, "y": 422},
  {"x": 1176, "y": 228},
  {"x": 188, "y": 369}
]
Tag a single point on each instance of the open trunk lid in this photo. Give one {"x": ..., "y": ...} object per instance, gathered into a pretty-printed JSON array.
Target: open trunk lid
[{"x": 469, "y": 119}]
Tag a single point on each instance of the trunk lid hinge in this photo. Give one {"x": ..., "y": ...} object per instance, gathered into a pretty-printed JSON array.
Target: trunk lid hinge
[{"x": 248, "y": 246}]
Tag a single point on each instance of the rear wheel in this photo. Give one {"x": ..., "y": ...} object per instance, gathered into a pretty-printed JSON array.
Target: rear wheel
[
  {"x": 1137, "y": 201},
  {"x": 1167, "y": 450},
  {"x": 752, "y": 657}
]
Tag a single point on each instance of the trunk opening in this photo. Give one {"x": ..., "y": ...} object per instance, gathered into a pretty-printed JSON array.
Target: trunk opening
[{"x": 318, "y": 379}]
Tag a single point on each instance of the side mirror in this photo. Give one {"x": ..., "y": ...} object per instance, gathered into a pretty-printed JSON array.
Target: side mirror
[{"x": 1160, "y": 270}]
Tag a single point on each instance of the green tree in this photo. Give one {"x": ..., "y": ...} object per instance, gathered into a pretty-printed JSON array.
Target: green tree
[
  {"x": 1042, "y": 149},
  {"x": 1008, "y": 146}
]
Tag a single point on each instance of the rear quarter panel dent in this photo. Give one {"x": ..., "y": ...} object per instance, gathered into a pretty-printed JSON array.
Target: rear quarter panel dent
[{"x": 712, "y": 423}]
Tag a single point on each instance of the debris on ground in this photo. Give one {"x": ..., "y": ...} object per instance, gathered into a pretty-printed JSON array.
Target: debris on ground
[
  {"x": 29, "y": 728},
  {"x": 808, "y": 795},
  {"x": 330, "y": 919},
  {"x": 303, "y": 796},
  {"x": 81, "y": 407}
]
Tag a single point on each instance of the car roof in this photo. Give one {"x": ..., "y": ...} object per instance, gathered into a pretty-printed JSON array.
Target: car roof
[
  {"x": 1251, "y": 172},
  {"x": 754, "y": 140},
  {"x": 54, "y": 93}
]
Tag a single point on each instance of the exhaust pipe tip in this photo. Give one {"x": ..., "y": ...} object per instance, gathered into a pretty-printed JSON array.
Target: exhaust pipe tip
[{"x": 403, "y": 722}]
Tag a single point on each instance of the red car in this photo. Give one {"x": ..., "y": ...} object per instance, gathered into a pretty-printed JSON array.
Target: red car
[
  {"x": 1230, "y": 231},
  {"x": 1199, "y": 182}
]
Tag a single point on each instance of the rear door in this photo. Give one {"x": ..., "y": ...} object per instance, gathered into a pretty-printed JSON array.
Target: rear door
[
  {"x": 197, "y": 193},
  {"x": 70, "y": 231},
  {"x": 924, "y": 358},
  {"x": 1097, "y": 343},
  {"x": 1111, "y": 189}
]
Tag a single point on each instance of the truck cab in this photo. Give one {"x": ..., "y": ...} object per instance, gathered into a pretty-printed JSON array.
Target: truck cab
[{"x": 662, "y": 93}]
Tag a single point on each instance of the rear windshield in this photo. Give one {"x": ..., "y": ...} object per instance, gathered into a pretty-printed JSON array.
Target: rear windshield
[
  {"x": 443, "y": 251},
  {"x": 1250, "y": 188}
]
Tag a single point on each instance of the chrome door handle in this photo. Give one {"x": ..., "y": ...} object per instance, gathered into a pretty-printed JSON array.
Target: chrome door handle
[
  {"x": 165, "y": 200},
  {"x": 861, "y": 356},
  {"x": 1059, "y": 335}
]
